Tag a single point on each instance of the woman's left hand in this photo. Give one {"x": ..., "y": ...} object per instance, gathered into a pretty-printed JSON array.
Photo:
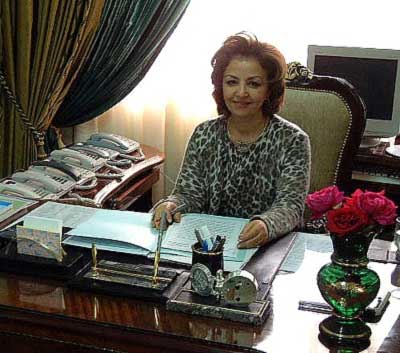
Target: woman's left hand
[{"x": 254, "y": 233}]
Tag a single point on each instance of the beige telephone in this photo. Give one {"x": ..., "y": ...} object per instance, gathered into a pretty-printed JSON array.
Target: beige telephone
[
  {"x": 66, "y": 174},
  {"x": 115, "y": 142},
  {"x": 118, "y": 143},
  {"x": 76, "y": 158},
  {"x": 25, "y": 190},
  {"x": 37, "y": 179}
]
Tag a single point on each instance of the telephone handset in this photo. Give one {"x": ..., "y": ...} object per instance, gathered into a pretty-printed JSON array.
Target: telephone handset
[
  {"x": 115, "y": 142},
  {"x": 93, "y": 150},
  {"x": 62, "y": 170},
  {"x": 15, "y": 188},
  {"x": 52, "y": 167},
  {"x": 75, "y": 158},
  {"x": 36, "y": 179}
]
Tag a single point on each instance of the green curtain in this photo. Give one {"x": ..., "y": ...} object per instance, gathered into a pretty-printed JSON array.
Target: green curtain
[
  {"x": 130, "y": 37},
  {"x": 43, "y": 44}
]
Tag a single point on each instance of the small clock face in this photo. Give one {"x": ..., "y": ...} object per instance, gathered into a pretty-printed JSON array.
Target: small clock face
[
  {"x": 240, "y": 289},
  {"x": 202, "y": 279}
]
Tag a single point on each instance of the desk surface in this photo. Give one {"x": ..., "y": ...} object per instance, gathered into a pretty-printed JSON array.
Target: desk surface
[{"x": 44, "y": 314}]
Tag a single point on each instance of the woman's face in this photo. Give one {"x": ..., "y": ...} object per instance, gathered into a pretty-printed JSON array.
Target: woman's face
[{"x": 245, "y": 87}]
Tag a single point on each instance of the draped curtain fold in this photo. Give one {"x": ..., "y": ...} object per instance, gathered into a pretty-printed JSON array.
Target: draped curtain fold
[
  {"x": 129, "y": 39},
  {"x": 43, "y": 44}
]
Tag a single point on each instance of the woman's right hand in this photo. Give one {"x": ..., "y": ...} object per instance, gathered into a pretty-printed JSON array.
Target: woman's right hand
[{"x": 168, "y": 207}]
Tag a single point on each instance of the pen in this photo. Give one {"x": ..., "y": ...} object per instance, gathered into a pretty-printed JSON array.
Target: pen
[
  {"x": 205, "y": 245},
  {"x": 163, "y": 227},
  {"x": 315, "y": 307},
  {"x": 198, "y": 237},
  {"x": 215, "y": 246},
  {"x": 221, "y": 244}
]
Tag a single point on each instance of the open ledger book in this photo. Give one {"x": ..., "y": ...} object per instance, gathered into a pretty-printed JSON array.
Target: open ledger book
[{"x": 131, "y": 232}]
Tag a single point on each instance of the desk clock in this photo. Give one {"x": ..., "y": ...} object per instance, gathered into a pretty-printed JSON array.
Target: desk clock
[{"x": 238, "y": 288}]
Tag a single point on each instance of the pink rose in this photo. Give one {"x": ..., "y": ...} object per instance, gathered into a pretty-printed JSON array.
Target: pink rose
[
  {"x": 324, "y": 200},
  {"x": 378, "y": 207}
]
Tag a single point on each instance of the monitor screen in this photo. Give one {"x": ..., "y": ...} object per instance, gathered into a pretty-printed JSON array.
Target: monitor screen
[{"x": 375, "y": 74}]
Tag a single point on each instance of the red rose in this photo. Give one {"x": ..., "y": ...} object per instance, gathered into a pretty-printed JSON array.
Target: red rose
[
  {"x": 345, "y": 220},
  {"x": 324, "y": 200},
  {"x": 378, "y": 207}
]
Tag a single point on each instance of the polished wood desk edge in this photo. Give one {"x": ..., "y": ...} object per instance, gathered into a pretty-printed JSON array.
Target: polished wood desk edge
[
  {"x": 152, "y": 161},
  {"x": 118, "y": 333},
  {"x": 132, "y": 193},
  {"x": 265, "y": 269}
]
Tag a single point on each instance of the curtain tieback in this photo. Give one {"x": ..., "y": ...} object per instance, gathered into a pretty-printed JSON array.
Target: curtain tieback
[{"x": 38, "y": 136}]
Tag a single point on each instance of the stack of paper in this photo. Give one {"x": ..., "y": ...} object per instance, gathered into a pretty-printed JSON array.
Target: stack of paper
[
  {"x": 5, "y": 206},
  {"x": 10, "y": 205},
  {"x": 131, "y": 232},
  {"x": 118, "y": 231}
]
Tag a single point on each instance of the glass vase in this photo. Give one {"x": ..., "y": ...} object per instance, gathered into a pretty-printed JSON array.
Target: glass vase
[{"x": 348, "y": 286}]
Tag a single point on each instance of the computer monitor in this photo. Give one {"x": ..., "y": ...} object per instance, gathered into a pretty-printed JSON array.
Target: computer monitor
[{"x": 375, "y": 73}]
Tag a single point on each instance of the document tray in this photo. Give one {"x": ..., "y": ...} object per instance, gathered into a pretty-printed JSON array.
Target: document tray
[
  {"x": 11, "y": 261},
  {"x": 127, "y": 280}
]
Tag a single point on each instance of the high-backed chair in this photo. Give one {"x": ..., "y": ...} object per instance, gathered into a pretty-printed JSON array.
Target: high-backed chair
[{"x": 333, "y": 115}]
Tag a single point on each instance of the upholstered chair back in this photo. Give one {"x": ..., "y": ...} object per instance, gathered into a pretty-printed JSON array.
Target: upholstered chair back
[{"x": 333, "y": 115}]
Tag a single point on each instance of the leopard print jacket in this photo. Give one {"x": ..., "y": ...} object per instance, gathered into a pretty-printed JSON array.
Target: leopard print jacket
[{"x": 269, "y": 181}]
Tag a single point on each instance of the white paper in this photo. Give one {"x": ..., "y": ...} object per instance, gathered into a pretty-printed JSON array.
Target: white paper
[
  {"x": 42, "y": 223},
  {"x": 180, "y": 236},
  {"x": 70, "y": 215}
]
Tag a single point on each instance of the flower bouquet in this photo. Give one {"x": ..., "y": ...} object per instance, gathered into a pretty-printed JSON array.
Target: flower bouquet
[{"x": 347, "y": 284}]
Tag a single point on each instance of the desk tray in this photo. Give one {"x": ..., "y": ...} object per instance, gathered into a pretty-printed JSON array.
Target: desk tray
[
  {"x": 119, "y": 279},
  {"x": 12, "y": 261}
]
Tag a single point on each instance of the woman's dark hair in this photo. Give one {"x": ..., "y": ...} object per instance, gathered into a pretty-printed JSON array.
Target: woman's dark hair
[{"x": 270, "y": 58}]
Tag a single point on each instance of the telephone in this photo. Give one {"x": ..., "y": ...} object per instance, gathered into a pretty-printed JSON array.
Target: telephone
[
  {"x": 15, "y": 188},
  {"x": 57, "y": 170},
  {"x": 98, "y": 151},
  {"x": 37, "y": 179},
  {"x": 78, "y": 159},
  {"x": 115, "y": 142}
]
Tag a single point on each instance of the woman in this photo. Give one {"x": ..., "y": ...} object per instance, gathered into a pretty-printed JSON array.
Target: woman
[{"x": 248, "y": 162}]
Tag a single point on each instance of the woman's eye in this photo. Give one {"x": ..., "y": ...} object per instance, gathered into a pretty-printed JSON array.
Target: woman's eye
[
  {"x": 254, "y": 84},
  {"x": 230, "y": 82}
]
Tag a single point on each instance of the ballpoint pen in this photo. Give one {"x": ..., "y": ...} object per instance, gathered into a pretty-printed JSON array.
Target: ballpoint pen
[{"x": 162, "y": 229}]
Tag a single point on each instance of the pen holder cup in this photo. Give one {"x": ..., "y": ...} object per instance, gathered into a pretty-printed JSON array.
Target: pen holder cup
[{"x": 213, "y": 260}]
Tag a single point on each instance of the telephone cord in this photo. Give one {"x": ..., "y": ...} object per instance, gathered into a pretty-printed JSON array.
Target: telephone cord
[
  {"x": 92, "y": 185},
  {"x": 116, "y": 175},
  {"x": 119, "y": 163},
  {"x": 73, "y": 196},
  {"x": 133, "y": 158}
]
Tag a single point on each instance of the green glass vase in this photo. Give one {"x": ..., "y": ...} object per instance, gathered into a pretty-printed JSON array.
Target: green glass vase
[{"x": 348, "y": 286}]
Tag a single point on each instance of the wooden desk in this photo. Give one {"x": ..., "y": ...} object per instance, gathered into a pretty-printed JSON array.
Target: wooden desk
[{"x": 38, "y": 315}]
